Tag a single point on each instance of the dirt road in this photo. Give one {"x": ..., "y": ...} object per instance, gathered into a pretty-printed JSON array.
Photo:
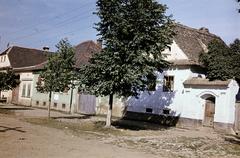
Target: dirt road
[
  {"x": 19, "y": 139},
  {"x": 27, "y": 133}
]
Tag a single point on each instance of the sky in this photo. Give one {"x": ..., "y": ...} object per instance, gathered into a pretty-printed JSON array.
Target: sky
[{"x": 39, "y": 23}]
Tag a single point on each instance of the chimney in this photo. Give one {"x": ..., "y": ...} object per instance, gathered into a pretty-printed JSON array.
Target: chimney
[
  {"x": 204, "y": 30},
  {"x": 99, "y": 43},
  {"x": 46, "y": 48}
]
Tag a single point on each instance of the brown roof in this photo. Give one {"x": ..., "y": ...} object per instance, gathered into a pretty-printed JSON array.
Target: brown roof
[
  {"x": 25, "y": 57},
  {"x": 193, "y": 41},
  {"x": 31, "y": 68},
  {"x": 195, "y": 81},
  {"x": 183, "y": 62},
  {"x": 84, "y": 52}
]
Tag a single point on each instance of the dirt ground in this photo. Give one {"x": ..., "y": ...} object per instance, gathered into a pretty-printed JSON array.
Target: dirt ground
[{"x": 27, "y": 133}]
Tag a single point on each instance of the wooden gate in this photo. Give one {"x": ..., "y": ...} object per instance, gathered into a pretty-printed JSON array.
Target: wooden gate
[
  {"x": 87, "y": 104},
  {"x": 15, "y": 94},
  {"x": 209, "y": 112}
]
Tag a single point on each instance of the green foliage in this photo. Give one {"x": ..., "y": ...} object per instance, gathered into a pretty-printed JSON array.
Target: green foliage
[
  {"x": 58, "y": 74},
  {"x": 235, "y": 48},
  {"x": 222, "y": 62},
  {"x": 8, "y": 80},
  {"x": 134, "y": 33}
]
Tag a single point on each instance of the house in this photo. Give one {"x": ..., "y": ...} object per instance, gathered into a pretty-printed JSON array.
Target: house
[
  {"x": 17, "y": 58},
  {"x": 183, "y": 90},
  {"x": 72, "y": 100}
]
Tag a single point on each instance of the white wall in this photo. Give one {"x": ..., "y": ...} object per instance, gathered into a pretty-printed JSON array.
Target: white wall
[
  {"x": 175, "y": 53},
  {"x": 158, "y": 100},
  {"x": 27, "y": 79},
  {"x": 187, "y": 102},
  {"x": 4, "y": 61}
]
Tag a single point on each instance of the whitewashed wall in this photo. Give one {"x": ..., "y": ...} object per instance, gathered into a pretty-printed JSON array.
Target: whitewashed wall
[
  {"x": 25, "y": 78},
  {"x": 187, "y": 102},
  {"x": 4, "y": 61},
  {"x": 175, "y": 53},
  {"x": 158, "y": 100}
]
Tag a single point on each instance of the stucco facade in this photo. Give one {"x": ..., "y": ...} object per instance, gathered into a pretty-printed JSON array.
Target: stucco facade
[
  {"x": 59, "y": 101},
  {"x": 187, "y": 101},
  {"x": 25, "y": 88}
]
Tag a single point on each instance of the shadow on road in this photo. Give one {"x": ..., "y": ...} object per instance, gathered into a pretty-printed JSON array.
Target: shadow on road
[
  {"x": 137, "y": 125},
  {"x": 15, "y": 108},
  {"x": 5, "y": 129},
  {"x": 72, "y": 117}
]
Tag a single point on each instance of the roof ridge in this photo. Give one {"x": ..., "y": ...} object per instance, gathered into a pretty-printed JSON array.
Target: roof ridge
[
  {"x": 28, "y": 48},
  {"x": 196, "y": 30},
  {"x": 87, "y": 41}
]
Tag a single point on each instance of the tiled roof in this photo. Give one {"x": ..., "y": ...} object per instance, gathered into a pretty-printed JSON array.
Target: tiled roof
[
  {"x": 25, "y": 57},
  {"x": 84, "y": 52},
  {"x": 195, "y": 81},
  {"x": 183, "y": 62},
  {"x": 31, "y": 68},
  {"x": 193, "y": 41}
]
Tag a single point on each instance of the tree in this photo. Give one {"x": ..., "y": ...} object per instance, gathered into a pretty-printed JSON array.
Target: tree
[
  {"x": 134, "y": 33},
  {"x": 217, "y": 61},
  {"x": 8, "y": 80},
  {"x": 222, "y": 61},
  {"x": 58, "y": 74},
  {"x": 235, "y": 49}
]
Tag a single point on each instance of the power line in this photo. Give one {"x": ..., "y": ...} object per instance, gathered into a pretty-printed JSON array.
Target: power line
[
  {"x": 65, "y": 33},
  {"x": 58, "y": 25},
  {"x": 41, "y": 23},
  {"x": 73, "y": 31}
]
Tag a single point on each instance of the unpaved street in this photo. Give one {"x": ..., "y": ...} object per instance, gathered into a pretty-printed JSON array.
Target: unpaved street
[
  {"x": 19, "y": 139},
  {"x": 27, "y": 133}
]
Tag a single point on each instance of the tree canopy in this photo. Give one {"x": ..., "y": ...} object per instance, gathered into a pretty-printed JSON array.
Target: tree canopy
[
  {"x": 222, "y": 61},
  {"x": 58, "y": 74},
  {"x": 8, "y": 80},
  {"x": 134, "y": 33}
]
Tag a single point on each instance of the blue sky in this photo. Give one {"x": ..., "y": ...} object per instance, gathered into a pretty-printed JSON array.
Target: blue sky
[{"x": 38, "y": 23}]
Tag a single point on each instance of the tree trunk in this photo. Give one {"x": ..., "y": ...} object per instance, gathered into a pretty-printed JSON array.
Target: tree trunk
[
  {"x": 49, "y": 104},
  {"x": 71, "y": 99},
  {"x": 109, "y": 114}
]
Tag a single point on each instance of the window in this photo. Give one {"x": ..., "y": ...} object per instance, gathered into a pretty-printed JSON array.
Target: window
[
  {"x": 168, "y": 84},
  {"x": 63, "y": 106},
  {"x": 166, "y": 111},
  {"x": 44, "y": 103},
  {"x": 55, "y": 105},
  {"x": 29, "y": 90},
  {"x": 24, "y": 90},
  {"x": 149, "y": 110},
  {"x": 37, "y": 102},
  {"x": 4, "y": 58}
]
